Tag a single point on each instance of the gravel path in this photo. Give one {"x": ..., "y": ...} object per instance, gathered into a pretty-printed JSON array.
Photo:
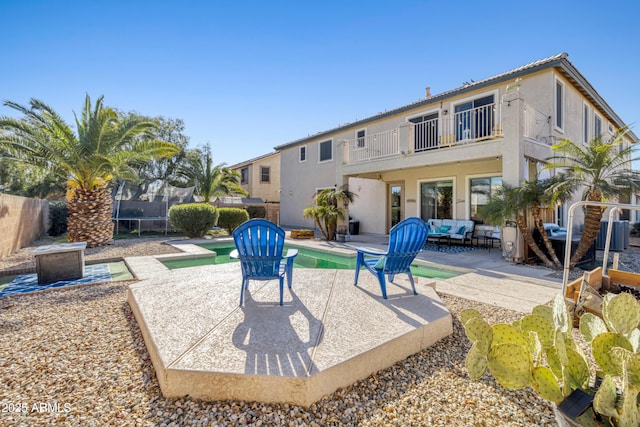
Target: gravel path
[{"x": 77, "y": 357}]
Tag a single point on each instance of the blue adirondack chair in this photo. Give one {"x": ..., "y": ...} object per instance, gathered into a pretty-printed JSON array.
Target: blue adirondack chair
[
  {"x": 259, "y": 246},
  {"x": 405, "y": 242}
]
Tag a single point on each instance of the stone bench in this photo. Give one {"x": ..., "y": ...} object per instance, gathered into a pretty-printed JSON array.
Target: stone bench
[{"x": 63, "y": 261}]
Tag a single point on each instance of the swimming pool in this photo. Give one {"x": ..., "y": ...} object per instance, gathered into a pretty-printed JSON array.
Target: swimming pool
[{"x": 307, "y": 258}]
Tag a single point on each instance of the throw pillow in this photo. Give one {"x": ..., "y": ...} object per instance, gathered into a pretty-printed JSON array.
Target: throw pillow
[
  {"x": 461, "y": 230},
  {"x": 444, "y": 229}
]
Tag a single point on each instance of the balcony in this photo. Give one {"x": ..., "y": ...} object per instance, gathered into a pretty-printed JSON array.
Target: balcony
[{"x": 465, "y": 127}]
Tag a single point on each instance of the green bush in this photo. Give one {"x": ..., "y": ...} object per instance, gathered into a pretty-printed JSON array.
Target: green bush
[
  {"x": 230, "y": 218},
  {"x": 57, "y": 218},
  {"x": 194, "y": 219},
  {"x": 257, "y": 211}
]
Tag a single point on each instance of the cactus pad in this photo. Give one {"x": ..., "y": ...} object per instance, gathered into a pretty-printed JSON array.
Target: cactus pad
[
  {"x": 545, "y": 383},
  {"x": 544, "y": 311},
  {"x": 576, "y": 373},
  {"x": 505, "y": 333},
  {"x": 467, "y": 314},
  {"x": 601, "y": 348},
  {"x": 632, "y": 361},
  {"x": 476, "y": 362},
  {"x": 604, "y": 401},
  {"x": 561, "y": 318},
  {"x": 540, "y": 325},
  {"x": 591, "y": 325},
  {"x": 622, "y": 313},
  {"x": 511, "y": 365},
  {"x": 479, "y": 331},
  {"x": 554, "y": 362},
  {"x": 629, "y": 417}
]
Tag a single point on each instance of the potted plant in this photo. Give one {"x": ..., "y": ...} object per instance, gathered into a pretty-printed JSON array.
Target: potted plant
[{"x": 539, "y": 350}]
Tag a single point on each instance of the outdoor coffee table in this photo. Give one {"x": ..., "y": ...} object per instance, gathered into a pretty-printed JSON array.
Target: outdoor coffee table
[{"x": 440, "y": 238}]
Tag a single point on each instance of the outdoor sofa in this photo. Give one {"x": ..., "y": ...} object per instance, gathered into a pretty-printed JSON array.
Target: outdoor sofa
[{"x": 454, "y": 230}]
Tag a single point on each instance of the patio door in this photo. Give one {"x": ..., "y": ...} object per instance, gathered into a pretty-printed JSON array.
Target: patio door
[{"x": 395, "y": 202}]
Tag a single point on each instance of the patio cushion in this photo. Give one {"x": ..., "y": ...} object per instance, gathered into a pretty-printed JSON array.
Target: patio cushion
[{"x": 444, "y": 229}]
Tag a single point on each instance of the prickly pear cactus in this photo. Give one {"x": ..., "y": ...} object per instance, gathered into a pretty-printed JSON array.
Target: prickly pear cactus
[{"x": 516, "y": 355}]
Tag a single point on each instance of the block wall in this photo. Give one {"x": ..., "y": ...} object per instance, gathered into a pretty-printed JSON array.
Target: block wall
[{"x": 22, "y": 220}]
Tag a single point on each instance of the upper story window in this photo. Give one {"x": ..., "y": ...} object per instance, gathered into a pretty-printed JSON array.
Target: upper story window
[
  {"x": 302, "y": 154},
  {"x": 559, "y": 105},
  {"x": 597, "y": 126},
  {"x": 425, "y": 131},
  {"x": 264, "y": 173},
  {"x": 360, "y": 138},
  {"x": 475, "y": 118},
  {"x": 585, "y": 124},
  {"x": 244, "y": 175},
  {"x": 325, "y": 151}
]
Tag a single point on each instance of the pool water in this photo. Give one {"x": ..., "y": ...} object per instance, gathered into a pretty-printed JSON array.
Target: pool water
[{"x": 307, "y": 258}]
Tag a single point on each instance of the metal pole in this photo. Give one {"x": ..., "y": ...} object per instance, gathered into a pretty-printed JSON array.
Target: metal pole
[{"x": 567, "y": 251}]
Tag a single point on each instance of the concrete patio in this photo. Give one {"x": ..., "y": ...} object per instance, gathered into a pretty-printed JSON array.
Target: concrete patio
[{"x": 327, "y": 335}]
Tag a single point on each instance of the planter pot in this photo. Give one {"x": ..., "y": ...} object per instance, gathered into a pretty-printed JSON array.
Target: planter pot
[
  {"x": 563, "y": 420},
  {"x": 302, "y": 234}
]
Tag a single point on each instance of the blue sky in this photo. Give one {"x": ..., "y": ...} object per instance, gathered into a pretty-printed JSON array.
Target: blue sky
[{"x": 247, "y": 76}]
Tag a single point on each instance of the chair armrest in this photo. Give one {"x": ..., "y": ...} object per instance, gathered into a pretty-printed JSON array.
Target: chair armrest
[
  {"x": 234, "y": 254},
  {"x": 370, "y": 252},
  {"x": 291, "y": 253}
]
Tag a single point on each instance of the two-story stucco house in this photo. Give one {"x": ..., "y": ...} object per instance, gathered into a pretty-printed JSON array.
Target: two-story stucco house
[
  {"x": 260, "y": 177},
  {"x": 443, "y": 156}
]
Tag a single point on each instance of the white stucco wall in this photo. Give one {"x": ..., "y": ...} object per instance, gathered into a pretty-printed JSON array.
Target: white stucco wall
[{"x": 369, "y": 207}]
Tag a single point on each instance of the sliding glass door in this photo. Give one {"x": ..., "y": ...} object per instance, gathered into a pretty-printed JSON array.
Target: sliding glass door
[{"x": 436, "y": 199}]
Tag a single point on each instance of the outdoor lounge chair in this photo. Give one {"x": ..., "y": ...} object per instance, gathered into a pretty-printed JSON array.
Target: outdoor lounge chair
[
  {"x": 259, "y": 245},
  {"x": 405, "y": 242}
]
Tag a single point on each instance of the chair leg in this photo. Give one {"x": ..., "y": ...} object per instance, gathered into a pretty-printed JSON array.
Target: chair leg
[
  {"x": 281, "y": 289},
  {"x": 245, "y": 284},
  {"x": 289, "y": 272},
  {"x": 383, "y": 284},
  {"x": 412, "y": 284},
  {"x": 359, "y": 262}
]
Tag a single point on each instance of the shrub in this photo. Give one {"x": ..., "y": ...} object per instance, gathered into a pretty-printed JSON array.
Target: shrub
[
  {"x": 257, "y": 211},
  {"x": 230, "y": 218},
  {"x": 194, "y": 219},
  {"x": 57, "y": 218}
]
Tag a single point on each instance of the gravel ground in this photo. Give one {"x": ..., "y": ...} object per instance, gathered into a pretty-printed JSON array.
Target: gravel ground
[{"x": 77, "y": 357}]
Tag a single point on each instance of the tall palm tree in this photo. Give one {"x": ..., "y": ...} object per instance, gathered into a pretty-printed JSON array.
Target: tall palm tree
[
  {"x": 209, "y": 180},
  {"x": 602, "y": 170},
  {"x": 101, "y": 148}
]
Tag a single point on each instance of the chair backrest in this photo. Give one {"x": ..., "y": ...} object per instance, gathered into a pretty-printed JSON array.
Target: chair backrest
[
  {"x": 260, "y": 244},
  {"x": 405, "y": 242}
]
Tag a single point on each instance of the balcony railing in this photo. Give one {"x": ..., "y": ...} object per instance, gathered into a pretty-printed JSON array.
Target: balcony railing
[
  {"x": 536, "y": 124},
  {"x": 469, "y": 126},
  {"x": 372, "y": 147},
  {"x": 476, "y": 124}
]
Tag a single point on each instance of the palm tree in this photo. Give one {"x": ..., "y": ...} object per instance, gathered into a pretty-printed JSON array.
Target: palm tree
[
  {"x": 209, "y": 180},
  {"x": 330, "y": 207},
  {"x": 102, "y": 147},
  {"x": 513, "y": 203},
  {"x": 602, "y": 169}
]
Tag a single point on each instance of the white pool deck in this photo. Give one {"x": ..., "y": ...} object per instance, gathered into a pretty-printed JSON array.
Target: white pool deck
[{"x": 328, "y": 334}]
